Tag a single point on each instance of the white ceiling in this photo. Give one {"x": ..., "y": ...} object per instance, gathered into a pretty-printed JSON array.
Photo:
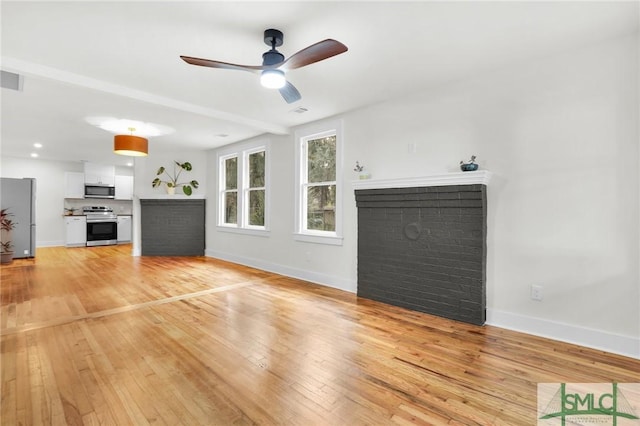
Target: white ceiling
[{"x": 121, "y": 59}]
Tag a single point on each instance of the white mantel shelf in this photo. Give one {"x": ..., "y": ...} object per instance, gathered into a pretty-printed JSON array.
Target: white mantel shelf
[
  {"x": 172, "y": 197},
  {"x": 480, "y": 177}
]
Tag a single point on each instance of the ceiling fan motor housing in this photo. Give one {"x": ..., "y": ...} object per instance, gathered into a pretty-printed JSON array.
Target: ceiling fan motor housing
[{"x": 272, "y": 57}]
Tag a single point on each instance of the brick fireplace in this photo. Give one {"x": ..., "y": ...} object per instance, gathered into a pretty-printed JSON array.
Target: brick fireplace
[{"x": 422, "y": 243}]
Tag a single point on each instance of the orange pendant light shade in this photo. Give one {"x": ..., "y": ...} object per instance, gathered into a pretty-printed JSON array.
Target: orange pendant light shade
[{"x": 134, "y": 146}]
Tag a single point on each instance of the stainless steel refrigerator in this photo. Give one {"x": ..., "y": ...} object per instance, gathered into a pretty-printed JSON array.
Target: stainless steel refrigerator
[{"x": 19, "y": 196}]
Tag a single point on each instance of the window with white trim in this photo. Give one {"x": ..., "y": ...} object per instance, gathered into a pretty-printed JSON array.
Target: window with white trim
[
  {"x": 319, "y": 190},
  {"x": 243, "y": 188},
  {"x": 255, "y": 188},
  {"x": 229, "y": 190}
]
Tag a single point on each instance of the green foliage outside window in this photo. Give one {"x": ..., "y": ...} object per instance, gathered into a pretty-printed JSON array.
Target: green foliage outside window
[
  {"x": 231, "y": 207},
  {"x": 256, "y": 188},
  {"x": 231, "y": 173},
  {"x": 321, "y": 186},
  {"x": 231, "y": 190},
  {"x": 321, "y": 160}
]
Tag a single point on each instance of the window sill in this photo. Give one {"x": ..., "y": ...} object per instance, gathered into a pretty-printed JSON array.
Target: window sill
[
  {"x": 244, "y": 231},
  {"x": 318, "y": 239}
]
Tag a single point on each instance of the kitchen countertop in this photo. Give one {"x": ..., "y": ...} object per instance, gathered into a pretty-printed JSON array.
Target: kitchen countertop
[{"x": 82, "y": 214}]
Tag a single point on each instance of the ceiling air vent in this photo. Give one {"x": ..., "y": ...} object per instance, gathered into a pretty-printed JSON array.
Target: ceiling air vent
[
  {"x": 11, "y": 81},
  {"x": 300, "y": 110}
]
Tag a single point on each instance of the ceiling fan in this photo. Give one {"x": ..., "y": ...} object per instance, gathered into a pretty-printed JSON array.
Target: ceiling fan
[{"x": 274, "y": 64}]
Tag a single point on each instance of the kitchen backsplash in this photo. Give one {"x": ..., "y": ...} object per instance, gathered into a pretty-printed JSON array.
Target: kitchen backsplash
[{"x": 119, "y": 206}]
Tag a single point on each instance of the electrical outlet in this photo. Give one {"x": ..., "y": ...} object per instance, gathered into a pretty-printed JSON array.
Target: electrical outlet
[
  {"x": 536, "y": 292},
  {"x": 26, "y": 252}
]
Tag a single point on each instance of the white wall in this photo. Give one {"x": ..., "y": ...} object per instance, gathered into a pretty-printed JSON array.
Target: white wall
[
  {"x": 279, "y": 252},
  {"x": 147, "y": 167},
  {"x": 561, "y": 136}
]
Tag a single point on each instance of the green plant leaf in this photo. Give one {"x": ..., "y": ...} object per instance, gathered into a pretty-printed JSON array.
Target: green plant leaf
[
  {"x": 187, "y": 190},
  {"x": 186, "y": 166},
  {"x": 160, "y": 171},
  {"x": 194, "y": 183},
  {"x": 156, "y": 182}
]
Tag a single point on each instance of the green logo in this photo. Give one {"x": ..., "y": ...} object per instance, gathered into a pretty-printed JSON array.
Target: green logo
[{"x": 588, "y": 403}]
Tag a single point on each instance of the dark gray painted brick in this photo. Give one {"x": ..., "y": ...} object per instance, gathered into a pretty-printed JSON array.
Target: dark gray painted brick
[
  {"x": 172, "y": 227},
  {"x": 442, "y": 270}
]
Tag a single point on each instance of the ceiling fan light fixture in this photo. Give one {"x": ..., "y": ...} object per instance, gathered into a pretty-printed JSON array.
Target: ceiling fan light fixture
[
  {"x": 273, "y": 79},
  {"x": 133, "y": 146}
]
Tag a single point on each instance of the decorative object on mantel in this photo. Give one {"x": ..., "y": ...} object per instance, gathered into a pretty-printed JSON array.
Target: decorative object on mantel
[
  {"x": 471, "y": 166},
  {"x": 173, "y": 183},
  {"x": 6, "y": 226},
  {"x": 361, "y": 173},
  {"x": 134, "y": 146}
]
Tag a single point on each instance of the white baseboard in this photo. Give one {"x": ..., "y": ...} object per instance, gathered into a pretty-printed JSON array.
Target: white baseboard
[
  {"x": 49, "y": 243},
  {"x": 314, "y": 277},
  {"x": 597, "y": 339}
]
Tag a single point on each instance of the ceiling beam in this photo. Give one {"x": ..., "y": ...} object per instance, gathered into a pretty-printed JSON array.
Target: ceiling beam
[{"x": 42, "y": 71}]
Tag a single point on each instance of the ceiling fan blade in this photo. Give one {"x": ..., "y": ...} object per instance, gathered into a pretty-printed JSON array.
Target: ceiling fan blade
[
  {"x": 290, "y": 93},
  {"x": 314, "y": 53},
  {"x": 223, "y": 65}
]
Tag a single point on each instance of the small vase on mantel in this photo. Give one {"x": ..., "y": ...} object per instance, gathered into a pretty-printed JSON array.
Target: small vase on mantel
[
  {"x": 171, "y": 190},
  {"x": 470, "y": 166}
]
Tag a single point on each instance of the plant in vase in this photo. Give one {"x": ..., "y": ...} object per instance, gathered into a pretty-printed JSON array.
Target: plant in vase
[
  {"x": 6, "y": 226},
  {"x": 362, "y": 174},
  {"x": 172, "y": 183}
]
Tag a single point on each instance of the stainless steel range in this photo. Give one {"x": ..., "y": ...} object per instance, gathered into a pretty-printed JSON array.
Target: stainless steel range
[{"x": 102, "y": 225}]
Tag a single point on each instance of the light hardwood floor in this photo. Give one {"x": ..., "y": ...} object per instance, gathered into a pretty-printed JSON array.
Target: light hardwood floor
[{"x": 94, "y": 336}]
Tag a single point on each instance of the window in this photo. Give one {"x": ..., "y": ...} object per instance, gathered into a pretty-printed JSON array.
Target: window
[
  {"x": 319, "y": 191},
  {"x": 255, "y": 190},
  {"x": 230, "y": 190},
  {"x": 243, "y": 182},
  {"x": 320, "y": 186}
]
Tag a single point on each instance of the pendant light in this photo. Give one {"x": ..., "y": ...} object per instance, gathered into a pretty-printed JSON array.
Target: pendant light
[{"x": 134, "y": 146}]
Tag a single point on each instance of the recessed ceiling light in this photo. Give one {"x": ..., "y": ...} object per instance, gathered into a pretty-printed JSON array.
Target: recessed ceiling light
[
  {"x": 300, "y": 110},
  {"x": 37, "y": 145},
  {"x": 222, "y": 135},
  {"x": 34, "y": 155}
]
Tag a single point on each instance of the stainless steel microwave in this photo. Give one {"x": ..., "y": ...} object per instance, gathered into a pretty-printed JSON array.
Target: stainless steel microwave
[{"x": 99, "y": 191}]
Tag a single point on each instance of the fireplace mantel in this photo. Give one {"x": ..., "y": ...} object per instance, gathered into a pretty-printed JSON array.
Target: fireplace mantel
[{"x": 481, "y": 177}]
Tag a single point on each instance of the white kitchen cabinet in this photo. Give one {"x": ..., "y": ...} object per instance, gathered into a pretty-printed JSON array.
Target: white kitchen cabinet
[
  {"x": 101, "y": 174},
  {"x": 124, "y": 187},
  {"x": 73, "y": 185},
  {"x": 76, "y": 231},
  {"x": 124, "y": 229}
]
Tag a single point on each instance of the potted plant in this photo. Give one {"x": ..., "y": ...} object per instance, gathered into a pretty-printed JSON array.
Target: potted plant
[
  {"x": 362, "y": 174},
  {"x": 173, "y": 183},
  {"x": 6, "y": 226}
]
